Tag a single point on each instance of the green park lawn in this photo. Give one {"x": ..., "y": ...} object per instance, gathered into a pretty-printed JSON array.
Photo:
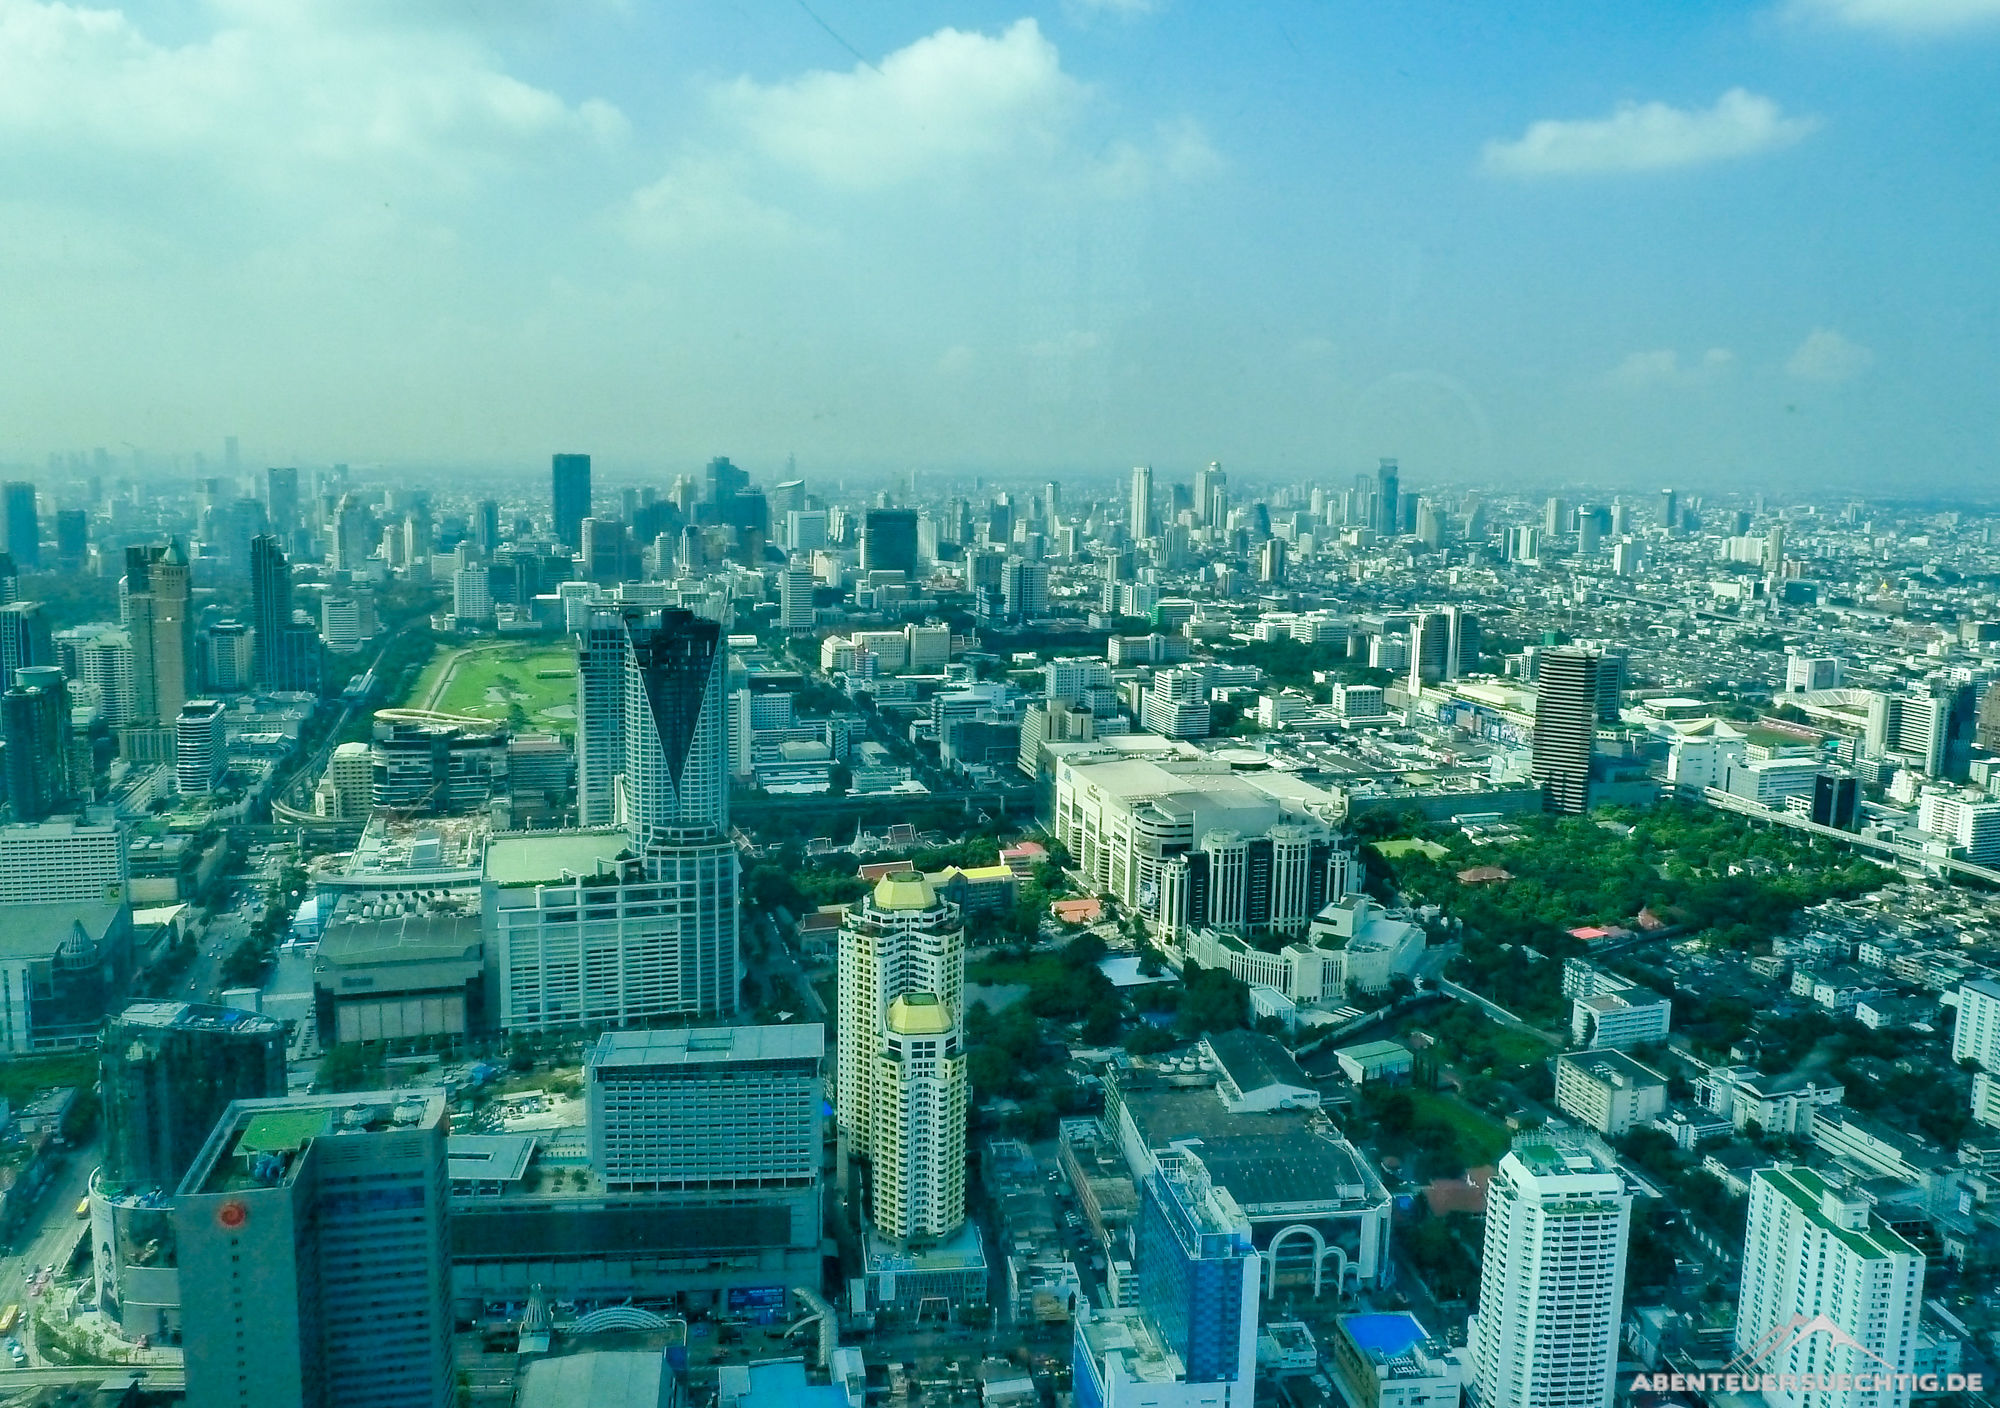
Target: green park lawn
[{"x": 540, "y": 679}]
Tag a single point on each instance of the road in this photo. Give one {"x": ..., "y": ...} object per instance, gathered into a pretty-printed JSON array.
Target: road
[
  {"x": 51, "y": 1234},
  {"x": 157, "y": 1377}
]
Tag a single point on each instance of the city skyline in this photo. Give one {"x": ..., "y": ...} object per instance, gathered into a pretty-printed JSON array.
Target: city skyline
[{"x": 1732, "y": 241}]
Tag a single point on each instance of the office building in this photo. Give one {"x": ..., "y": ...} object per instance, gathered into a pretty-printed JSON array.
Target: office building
[
  {"x": 1551, "y": 1281},
  {"x": 1565, "y": 727},
  {"x": 1135, "y": 821},
  {"x": 710, "y": 1109},
  {"x": 157, "y": 610},
  {"x": 429, "y": 764},
  {"x": 1141, "y": 514},
  {"x": 281, "y": 500},
  {"x": 229, "y": 660},
  {"x": 64, "y": 861},
  {"x": 72, "y": 535},
  {"x": 39, "y": 760},
  {"x": 900, "y": 1097},
  {"x": 270, "y": 610},
  {"x": 889, "y": 541},
  {"x": 24, "y": 639},
  {"x": 1805, "y": 674},
  {"x": 1830, "y": 1290},
  {"x": 570, "y": 496},
  {"x": 167, "y": 1072},
  {"x": 652, "y": 726},
  {"x": 1444, "y": 645},
  {"x": 795, "y": 598},
  {"x": 1189, "y": 1340},
  {"x": 581, "y": 931},
  {"x": 201, "y": 754},
  {"x": 1211, "y": 495},
  {"x": 20, "y": 528},
  {"x": 314, "y": 1261},
  {"x": 1024, "y": 589}
]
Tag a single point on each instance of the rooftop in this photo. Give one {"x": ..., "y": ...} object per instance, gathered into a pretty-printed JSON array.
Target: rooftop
[
  {"x": 918, "y": 1014},
  {"x": 598, "y": 1379},
  {"x": 502, "y": 1158},
  {"x": 1805, "y": 1190},
  {"x": 411, "y": 937},
  {"x": 196, "y": 1017},
  {"x": 1254, "y": 1061},
  {"x": 1263, "y": 1159},
  {"x": 545, "y": 857},
  {"x": 694, "y": 1046},
  {"x": 1608, "y": 1067},
  {"x": 258, "y": 1143},
  {"x": 904, "y": 889}
]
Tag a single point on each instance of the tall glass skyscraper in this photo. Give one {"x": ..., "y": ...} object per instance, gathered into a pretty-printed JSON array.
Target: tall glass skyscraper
[{"x": 570, "y": 486}]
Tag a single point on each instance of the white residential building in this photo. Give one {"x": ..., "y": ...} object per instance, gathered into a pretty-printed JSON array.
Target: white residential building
[
  {"x": 1552, "y": 1280},
  {"x": 1608, "y": 1091},
  {"x": 900, "y": 1079},
  {"x": 1829, "y": 1290},
  {"x": 1975, "y": 1036},
  {"x": 1968, "y": 825}
]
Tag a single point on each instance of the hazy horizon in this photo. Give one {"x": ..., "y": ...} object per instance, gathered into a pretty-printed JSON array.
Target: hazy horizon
[{"x": 1719, "y": 246}]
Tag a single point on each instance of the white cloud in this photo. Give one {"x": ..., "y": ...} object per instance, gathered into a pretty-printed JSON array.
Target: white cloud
[
  {"x": 1663, "y": 367},
  {"x": 1907, "y": 17},
  {"x": 1825, "y": 355},
  {"x": 698, "y": 200},
  {"x": 275, "y": 94},
  {"x": 941, "y": 105},
  {"x": 1649, "y": 137}
]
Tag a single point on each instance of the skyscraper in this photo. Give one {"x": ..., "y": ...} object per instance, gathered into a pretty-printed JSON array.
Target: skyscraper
[
  {"x": 1141, "y": 516},
  {"x": 270, "y": 608},
  {"x": 570, "y": 476},
  {"x": 200, "y": 758},
  {"x": 486, "y": 526},
  {"x": 1565, "y": 727},
  {"x": 1388, "y": 515},
  {"x": 281, "y": 500},
  {"x": 1024, "y": 587},
  {"x": 20, "y": 528},
  {"x": 1551, "y": 1280},
  {"x": 1189, "y": 1335},
  {"x": 34, "y": 724},
  {"x": 314, "y": 1260},
  {"x": 158, "y": 612},
  {"x": 1211, "y": 494},
  {"x": 169, "y": 1070},
  {"x": 1829, "y": 1289},
  {"x": 901, "y": 1080},
  {"x": 24, "y": 639},
  {"x": 652, "y": 759},
  {"x": 889, "y": 541}
]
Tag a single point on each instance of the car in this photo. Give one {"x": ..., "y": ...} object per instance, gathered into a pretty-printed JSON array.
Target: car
[{"x": 20, "y": 1357}]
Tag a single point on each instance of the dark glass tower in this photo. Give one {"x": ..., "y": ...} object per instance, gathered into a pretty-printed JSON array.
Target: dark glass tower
[
  {"x": 21, "y": 528},
  {"x": 169, "y": 1070},
  {"x": 1565, "y": 727},
  {"x": 270, "y": 607},
  {"x": 570, "y": 487},
  {"x": 889, "y": 541}
]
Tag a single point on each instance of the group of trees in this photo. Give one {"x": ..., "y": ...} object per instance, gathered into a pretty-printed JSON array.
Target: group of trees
[
  {"x": 1290, "y": 664},
  {"x": 1673, "y": 860}
]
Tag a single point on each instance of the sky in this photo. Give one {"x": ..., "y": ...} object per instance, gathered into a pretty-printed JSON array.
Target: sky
[{"x": 1538, "y": 243}]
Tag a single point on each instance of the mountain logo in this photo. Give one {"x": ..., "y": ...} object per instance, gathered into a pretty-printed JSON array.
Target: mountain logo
[{"x": 1799, "y": 1327}]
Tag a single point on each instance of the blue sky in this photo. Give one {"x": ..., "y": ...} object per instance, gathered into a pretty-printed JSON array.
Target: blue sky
[{"x": 1707, "y": 244}]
